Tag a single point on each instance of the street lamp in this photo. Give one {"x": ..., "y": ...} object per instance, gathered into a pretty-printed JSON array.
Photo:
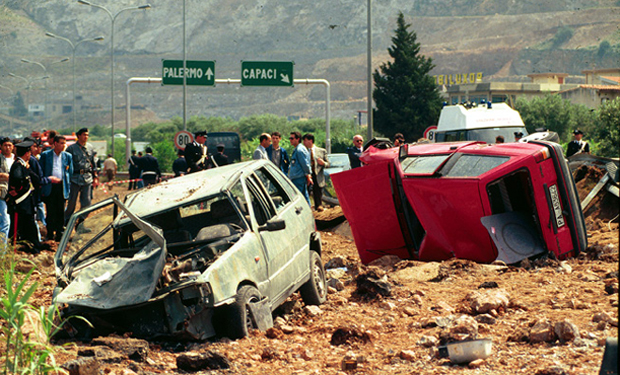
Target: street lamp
[
  {"x": 73, "y": 47},
  {"x": 10, "y": 117},
  {"x": 112, "y": 19},
  {"x": 45, "y": 71},
  {"x": 369, "y": 77}
]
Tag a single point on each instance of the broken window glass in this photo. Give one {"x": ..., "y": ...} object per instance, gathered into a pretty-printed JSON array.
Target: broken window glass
[{"x": 474, "y": 165}]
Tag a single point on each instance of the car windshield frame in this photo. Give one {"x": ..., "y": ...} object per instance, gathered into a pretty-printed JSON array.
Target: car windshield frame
[{"x": 470, "y": 162}]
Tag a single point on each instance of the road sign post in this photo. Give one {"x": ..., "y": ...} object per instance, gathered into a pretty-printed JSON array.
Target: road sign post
[
  {"x": 199, "y": 73},
  {"x": 267, "y": 73},
  {"x": 182, "y": 139}
]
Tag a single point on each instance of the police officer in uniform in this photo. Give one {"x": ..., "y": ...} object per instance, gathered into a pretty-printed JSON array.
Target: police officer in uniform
[
  {"x": 21, "y": 197},
  {"x": 196, "y": 152},
  {"x": 577, "y": 145},
  {"x": 220, "y": 158}
]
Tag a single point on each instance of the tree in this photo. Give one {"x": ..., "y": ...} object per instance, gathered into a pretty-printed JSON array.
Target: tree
[
  {"x": 405, "y": 94},
  {"x": 555, "y": 114},
  {"x": 607, "y": 132}
]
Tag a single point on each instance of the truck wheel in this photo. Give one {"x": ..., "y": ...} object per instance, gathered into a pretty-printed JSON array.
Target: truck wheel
[
  {"x": 238, "y": 318},
  {"x": 314, "y": 291}
]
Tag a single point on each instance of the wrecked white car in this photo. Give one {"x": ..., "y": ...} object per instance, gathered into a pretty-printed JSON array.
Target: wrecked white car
[{"x": 211, "y": 253}]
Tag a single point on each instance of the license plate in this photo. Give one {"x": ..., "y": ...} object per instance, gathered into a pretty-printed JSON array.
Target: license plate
[{"x": 557, "y": 206}]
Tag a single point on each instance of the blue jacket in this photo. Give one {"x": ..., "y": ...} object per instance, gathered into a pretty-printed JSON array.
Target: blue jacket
[
  {"x": 47, "y": 163},
  {"x": 300, "y": 163},
  {"x": 284, "y": 162}
]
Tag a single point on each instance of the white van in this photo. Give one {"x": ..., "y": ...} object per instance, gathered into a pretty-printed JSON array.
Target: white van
[{"x": 478, "y": 123}]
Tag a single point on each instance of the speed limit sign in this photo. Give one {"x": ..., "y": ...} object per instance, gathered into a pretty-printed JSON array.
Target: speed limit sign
[
  {"x": 429, "y": 133},
  {"x": 182, "y": 139}
]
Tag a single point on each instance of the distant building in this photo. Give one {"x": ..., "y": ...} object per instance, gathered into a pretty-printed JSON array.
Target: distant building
[{"x": 601, "y": 85}]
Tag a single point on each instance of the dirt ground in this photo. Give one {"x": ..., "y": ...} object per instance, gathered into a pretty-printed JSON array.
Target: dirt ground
[{"x": 428, "y": 304}]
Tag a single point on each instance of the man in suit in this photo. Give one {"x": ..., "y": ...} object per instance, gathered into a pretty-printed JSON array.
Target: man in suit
[
  {"x": 57, "y": 166},
  {"x": 220, "y": 159},
  {"x": 277, "y": 154},
  {"x": 196, "y": 152},
  {"x": 261, "y": 150},
  {"x": 149, "y": 166},
  {"x": 21, "y": 198},
  {"x": 318, "y": 162},
  {"x": 355, "y": 151}
]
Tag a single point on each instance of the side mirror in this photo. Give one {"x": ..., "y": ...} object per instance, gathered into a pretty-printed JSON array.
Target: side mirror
[{"x": 273, "y": 225}]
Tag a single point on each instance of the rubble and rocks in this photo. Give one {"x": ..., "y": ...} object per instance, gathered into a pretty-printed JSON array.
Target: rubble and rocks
[
  {"x": 542, "y": 331},
  {"x": 82, "y": 366},
  {"x": 348, "y": 335},
  {"x": 486, "y": 301},
  {"x": 371, "y": 284},
  {"x": 134, "y": 349},
  {"x": 209, "y": 360}
]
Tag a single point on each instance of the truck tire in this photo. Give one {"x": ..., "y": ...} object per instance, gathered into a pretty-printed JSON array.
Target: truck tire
[
  {"x": 236, "y": 319},
  {"x": 314, "y": 291}
]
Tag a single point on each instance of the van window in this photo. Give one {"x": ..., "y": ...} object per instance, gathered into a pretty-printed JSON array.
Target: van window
[{"x": 474, "y": 165}]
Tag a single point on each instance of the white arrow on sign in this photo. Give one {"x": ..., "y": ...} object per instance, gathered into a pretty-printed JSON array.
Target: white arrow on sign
[
  {"x": 285, "y": 78},
  {"x": 209, "y": 73}
]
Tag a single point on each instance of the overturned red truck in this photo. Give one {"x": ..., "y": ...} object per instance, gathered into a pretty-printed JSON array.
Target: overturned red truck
[{"x": 469, "y": 200}]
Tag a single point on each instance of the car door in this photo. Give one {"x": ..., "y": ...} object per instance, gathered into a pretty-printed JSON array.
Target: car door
[
  {"x": 369, "y": 206},
  {"x": 282, "y": 247}
]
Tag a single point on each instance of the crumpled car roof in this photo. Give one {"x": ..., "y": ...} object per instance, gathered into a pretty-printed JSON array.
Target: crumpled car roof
[{"x": 169, "y": 194}]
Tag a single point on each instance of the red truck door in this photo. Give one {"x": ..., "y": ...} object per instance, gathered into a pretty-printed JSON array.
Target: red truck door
[{"x": 369, "y": 196}]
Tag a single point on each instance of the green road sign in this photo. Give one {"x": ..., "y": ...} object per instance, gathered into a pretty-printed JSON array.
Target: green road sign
[
  {"x": 199, "y": 73},
  {"x": 266, "y": 73}
]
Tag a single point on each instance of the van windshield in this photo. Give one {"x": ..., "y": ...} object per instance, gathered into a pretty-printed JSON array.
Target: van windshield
[
  {"x": 488, "y": 135},
  {"x": 484, "y": 134}
]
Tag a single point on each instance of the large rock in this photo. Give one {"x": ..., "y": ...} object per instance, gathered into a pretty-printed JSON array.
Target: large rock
[
  {"x": 82, "y": 366},
  {"x": 566, "y": 331},
  {"x": 484, "y": 301},
  {"x": 542, "y": 331}
]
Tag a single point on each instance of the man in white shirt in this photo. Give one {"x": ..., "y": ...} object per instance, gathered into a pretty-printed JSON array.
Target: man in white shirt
[
  {"x": 6, "y": 161},
  {"x": 261, "y": 150}
]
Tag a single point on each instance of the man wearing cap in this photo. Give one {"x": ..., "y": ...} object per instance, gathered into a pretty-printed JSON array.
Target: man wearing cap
[
  {"x": 149, "y": 166},
  {"x": 21, "y": 197},
  {"x": 84, "y": 173},
  {"x": 57, "y": 166},
  {"x": 35, "y": 151},
  {"x": 134, "y": 170},
  {"x": 518, "y": 136},
  {"x": 196, "y": 152},
  {"x": 220, "y": 158},
  {"x": 6, "y": 161},
  {"x": 577, "y": 145}
]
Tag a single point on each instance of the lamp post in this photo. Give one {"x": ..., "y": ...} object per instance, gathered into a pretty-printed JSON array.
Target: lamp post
[
  {"x": 73, "y": 47},
  {"x": 369, "y": 63},
  {"x": 45, "y": 71},
  {"x": 112, "y": 19},
  {"x": 10, "y": 114}
]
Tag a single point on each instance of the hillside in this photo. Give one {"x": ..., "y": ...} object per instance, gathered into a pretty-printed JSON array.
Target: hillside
[{"x": 326, "y": 39}]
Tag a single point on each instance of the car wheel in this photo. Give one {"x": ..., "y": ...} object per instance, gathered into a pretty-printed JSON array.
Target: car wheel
[
  {"x": 238, "y": 319},
  {"x": 314, "y": 291}
]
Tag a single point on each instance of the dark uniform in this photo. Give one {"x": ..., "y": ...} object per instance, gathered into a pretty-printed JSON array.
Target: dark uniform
[
  {"x": 220, "y": 158},
  {"x": 22, "y": 201},
  {"x": 196, "y": 154},
  {"x": 179, "y": 166},
  {"x": 149, "y": 166},
  {"x": 134, "y": 171},
  {"x": 577, "y": 147}
]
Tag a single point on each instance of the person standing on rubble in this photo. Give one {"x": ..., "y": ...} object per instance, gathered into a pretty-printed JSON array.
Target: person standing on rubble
[{"x": 577, "y": 145}]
